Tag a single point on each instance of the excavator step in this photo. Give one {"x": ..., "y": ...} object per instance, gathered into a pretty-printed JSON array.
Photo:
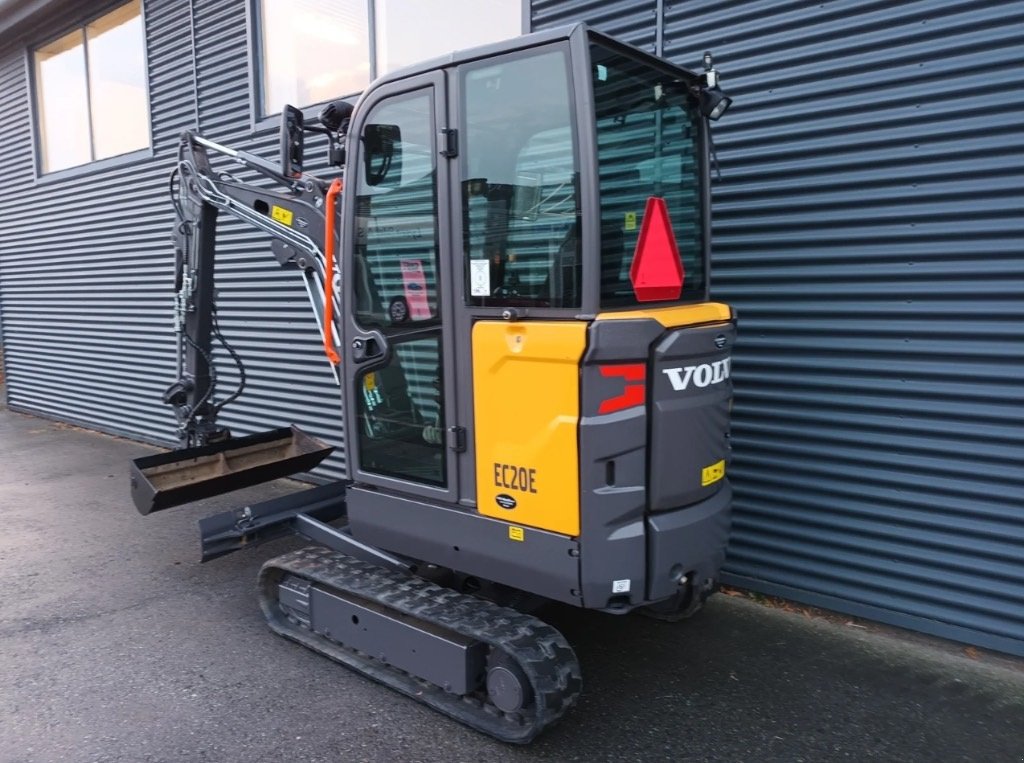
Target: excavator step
[
  {"x": 180, "y": 476},
  {"x": 496, "y": 670}
]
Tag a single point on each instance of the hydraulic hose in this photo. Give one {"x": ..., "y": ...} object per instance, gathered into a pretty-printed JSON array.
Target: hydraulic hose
[{"x": 329, "y": 247}]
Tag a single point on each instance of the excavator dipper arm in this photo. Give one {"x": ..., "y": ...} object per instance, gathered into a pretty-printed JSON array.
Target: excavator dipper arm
[{"x": 208, "y": 460}]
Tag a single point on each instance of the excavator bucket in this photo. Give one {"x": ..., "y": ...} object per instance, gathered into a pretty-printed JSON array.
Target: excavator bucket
[{"x": 180, "y": 476}]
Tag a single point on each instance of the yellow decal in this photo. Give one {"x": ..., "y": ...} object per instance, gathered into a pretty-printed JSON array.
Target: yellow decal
[
  {"x": 709, "y": 475},
  {"x": 630, "y": 223},
  {"x": 516, "y": 533},
  {"x": 526, "y": 381},
  {"x": 282, "y": 215},
  {"x": 370, "y": 382}
]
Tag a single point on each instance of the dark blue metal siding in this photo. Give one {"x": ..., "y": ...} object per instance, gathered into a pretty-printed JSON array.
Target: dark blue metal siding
[
  {"x": 869, "y": 227},
  {"x": 86, "y": 263},
  {"x": 633, "y": 21}
]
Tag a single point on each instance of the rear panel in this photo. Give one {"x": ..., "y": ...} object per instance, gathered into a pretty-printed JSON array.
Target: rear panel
[
  {"x": 613, "y": 462},
  {"x": 651, "y": 455},
  {"x": 690, "y": 393}
]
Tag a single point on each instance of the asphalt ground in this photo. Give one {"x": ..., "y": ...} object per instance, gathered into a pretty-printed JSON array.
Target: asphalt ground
[{"x": 117, "y": 645}]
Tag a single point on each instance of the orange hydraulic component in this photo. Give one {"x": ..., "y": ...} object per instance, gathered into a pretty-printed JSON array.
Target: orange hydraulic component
[{"x": 332, "y": 195}]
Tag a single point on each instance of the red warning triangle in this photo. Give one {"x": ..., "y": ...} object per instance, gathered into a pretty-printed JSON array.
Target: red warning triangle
[{"x": 657, "y": 271}]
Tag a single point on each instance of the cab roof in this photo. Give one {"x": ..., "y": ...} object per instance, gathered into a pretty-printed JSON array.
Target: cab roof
[{"x": 579, "y": 30}]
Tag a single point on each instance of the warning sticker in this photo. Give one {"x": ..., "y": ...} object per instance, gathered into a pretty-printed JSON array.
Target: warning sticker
[
  {"x": 281, "y": 214},
  {"x": 709, "y": 475},
  {"x": 517, "y": 533},
  {"x": 630, "y": 222},
  {"x": 479, "y": 278}
]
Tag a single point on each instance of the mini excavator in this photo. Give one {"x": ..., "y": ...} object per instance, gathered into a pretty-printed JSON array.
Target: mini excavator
[{"x": 507, "y": 259}]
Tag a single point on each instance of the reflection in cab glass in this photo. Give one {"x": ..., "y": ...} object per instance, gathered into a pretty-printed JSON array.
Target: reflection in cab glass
[
  {"x": 400, "y": 412},
  {"x": 396, "y": 216},
  {"x": 647, "y": 145},
  {"x": 520, "y": 196}
]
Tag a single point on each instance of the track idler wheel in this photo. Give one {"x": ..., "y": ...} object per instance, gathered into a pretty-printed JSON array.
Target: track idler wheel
[{"x": 508, "y": 687}]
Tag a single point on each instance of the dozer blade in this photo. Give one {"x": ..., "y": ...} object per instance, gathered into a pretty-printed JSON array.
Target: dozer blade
[
  {"x": 181, "y": 476},
  {"x": 259, "y": 522}
]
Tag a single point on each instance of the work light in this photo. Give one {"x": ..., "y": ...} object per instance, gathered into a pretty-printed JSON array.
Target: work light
[{"x": 713, "y": 102}]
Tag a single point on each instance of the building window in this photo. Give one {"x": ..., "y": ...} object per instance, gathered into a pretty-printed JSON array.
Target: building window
[
  {"x": 313, "y": 51},
  {"x": 97, "y": 71},
  {"x": 410, "y": 31}
]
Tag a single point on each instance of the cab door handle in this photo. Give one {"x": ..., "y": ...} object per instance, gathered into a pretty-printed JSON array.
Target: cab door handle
[{"x": 369, "y": 346}]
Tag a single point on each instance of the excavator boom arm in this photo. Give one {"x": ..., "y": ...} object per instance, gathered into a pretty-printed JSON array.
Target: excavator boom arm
[{"x": 296, "y": 221}]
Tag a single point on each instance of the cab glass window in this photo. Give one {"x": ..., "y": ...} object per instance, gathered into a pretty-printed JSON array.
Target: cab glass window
[
  {"x": 90, "y": 91},
  {"x": 396, "y": 237},
  {"x": 395, "y": 259},
  {"x": 648, "y": 144},
  {"x": 520, "y": 188}
]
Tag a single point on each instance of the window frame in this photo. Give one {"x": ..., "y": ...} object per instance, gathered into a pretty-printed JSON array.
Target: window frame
[
  {"x": 260, "y": 123},
  {"x": 79, "y": 22}
]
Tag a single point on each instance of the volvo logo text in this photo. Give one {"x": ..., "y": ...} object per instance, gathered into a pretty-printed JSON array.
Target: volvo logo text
[{"x": 703, "y": 375}]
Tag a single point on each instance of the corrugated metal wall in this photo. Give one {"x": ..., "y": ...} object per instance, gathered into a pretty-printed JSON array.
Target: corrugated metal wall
[
  {"x": 632, "y": 21},
  {"x": 86, "y": 263},
  {"x": 75, "y": 347},
  {"x": 869, "y": 227}
]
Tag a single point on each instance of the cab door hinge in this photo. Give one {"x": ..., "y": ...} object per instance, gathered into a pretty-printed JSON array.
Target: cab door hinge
[
  {"x": 449, "y": 141},
  {"x": 457, "y": 439}
]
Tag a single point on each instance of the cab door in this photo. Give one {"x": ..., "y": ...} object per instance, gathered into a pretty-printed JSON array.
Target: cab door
[{"x": 398, "y": 361}]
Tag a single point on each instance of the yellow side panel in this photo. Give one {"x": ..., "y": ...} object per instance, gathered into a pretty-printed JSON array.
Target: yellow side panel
[
  {"x": 680, "y": 315},
  {"x": 526, "y": 381}
]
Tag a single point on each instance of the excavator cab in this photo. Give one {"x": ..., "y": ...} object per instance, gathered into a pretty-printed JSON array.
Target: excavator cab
[
  {"x": 513, "y": 292},
  {"x": 528, "y": 260}
]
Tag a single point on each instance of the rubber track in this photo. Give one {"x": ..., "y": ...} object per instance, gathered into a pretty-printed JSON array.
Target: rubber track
[{"x": 541, "y": 651}]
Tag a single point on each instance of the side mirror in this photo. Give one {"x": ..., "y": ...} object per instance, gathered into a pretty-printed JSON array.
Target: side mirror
[
  {"x": 292, "y": 137},
  {"x": 381, "y": 147}
]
